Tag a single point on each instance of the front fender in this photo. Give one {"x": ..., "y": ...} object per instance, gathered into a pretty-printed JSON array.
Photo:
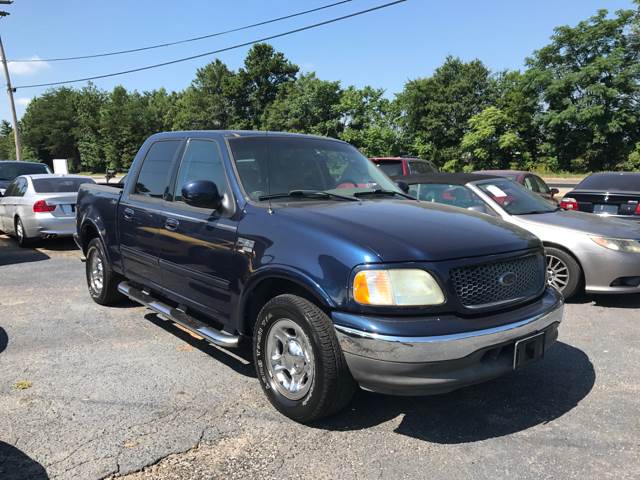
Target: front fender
[{"x": 279, "y": 272}]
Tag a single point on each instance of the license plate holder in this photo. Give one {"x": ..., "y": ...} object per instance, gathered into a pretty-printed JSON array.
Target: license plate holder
[
  {"x": 604, "y": 209},
  {"x": 528, "y": 349}
]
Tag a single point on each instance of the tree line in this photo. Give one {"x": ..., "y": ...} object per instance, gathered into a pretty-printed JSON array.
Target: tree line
[{"x": 575, "y": 107}]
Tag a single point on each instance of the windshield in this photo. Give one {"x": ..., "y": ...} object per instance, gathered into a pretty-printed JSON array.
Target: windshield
[
  {"x": 59, "y": 185},
  {"x": 9, "y": 171},
  {"x": 277, "y": 165},
  {"x": 515, "y": 199},
  {"x": 629, "y": 182}
]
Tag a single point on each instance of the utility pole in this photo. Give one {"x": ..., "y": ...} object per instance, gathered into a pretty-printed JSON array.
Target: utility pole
[{"x": 12, "y": 104}]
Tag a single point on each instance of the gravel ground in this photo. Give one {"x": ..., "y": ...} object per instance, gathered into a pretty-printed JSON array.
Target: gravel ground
[{"x": 89, "y": 392}]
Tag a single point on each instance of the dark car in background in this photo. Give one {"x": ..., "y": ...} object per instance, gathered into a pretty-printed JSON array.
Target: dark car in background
[
  {"x": 401, "y": 166},
  {"x": 613, "y": 194},
  {"x": 9, "y": 170},
  {"x": 529, "y": 180}
]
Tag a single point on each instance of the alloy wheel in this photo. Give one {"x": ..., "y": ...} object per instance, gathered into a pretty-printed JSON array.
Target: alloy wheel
[{"x": 557, "y": 273}]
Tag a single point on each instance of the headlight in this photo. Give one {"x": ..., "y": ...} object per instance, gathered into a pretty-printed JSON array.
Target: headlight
[
  {"x": 401, "y": 287},
  {"x": 618, "y": 244}
]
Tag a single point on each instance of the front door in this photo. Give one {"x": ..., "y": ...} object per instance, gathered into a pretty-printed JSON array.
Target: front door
[
  {"x": 139, "y": 213},
  {"x": 196, "y": 245}
]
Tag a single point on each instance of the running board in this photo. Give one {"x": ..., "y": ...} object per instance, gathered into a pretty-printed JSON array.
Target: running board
[{"x": 210, "y": 334}]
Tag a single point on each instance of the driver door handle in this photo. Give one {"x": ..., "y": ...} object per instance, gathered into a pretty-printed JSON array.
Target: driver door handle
[{"x": 171, "y": 224}]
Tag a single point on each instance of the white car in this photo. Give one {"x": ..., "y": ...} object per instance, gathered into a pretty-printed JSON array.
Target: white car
[{"x": 40, "y": 206}]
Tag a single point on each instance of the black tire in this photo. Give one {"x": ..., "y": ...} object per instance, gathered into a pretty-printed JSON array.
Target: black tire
[
  {"x": 557, "y": 258},
  {"x": 21, "y": 234},
  {"x": 331, "y": 387},
  {"x": 106, "y": 294}
]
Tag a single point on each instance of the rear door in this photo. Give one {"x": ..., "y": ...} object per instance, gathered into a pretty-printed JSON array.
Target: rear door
[
  {"x": 196, "y": 245},
  {"x": 140, "y": 212}
]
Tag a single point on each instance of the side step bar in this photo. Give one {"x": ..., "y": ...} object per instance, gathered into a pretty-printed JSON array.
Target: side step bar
[{"x": 210, "y": 334}]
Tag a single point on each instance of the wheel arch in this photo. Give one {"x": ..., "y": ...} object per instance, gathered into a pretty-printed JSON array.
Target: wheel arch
[
  {"x": 571, "y": 254},
  {"x": 267, "y": 285}
]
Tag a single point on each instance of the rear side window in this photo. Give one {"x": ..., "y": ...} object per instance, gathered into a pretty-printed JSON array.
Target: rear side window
[
  {"x": 421, "y": 167},
  {"x": 201, "y": 161},
  {"x": 153, "y": 179},
  {"x": 392, "y": 169},
  {"x": 59, "y": 185}
]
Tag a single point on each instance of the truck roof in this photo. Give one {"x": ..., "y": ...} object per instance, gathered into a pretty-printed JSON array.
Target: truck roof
[{"x": 233, "y": 133}]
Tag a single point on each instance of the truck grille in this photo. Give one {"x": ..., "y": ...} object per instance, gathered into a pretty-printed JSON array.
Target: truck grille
[{"x": 501, "y": 282}]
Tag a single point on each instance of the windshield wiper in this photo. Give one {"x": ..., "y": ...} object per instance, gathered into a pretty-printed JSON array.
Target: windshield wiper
[
  {"x": 308, "y": 194},
  {"x": 380, "y": 191}
]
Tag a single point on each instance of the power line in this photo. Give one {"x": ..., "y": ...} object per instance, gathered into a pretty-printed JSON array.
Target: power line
[
  {"x": 178, "y": 42},
  {"x": 205, "y": 54}
]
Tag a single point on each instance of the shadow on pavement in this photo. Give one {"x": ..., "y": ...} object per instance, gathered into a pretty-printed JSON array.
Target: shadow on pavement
[
  {"x": 15, "y": 465},
  {"x": 630, "y": 300},
  {"x": 65, "y": 244},
  {"x": 538, "y": 394},
  {"x": 4, "y": 339},
  {"x": 239, "y": 360},
  {"x": 11, "y": 253}
]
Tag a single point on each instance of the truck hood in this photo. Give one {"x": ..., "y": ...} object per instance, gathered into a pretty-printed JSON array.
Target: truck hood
[
  {"x": 585, "y": 223},
  {"x": 402, "y": 231}
]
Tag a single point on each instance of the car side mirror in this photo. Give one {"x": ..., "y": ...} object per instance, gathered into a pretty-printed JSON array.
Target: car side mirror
[
  {"x": 202, "y": 194},
  {"x": 554, "y": 191},
  {"x": 404, "y": 186}
]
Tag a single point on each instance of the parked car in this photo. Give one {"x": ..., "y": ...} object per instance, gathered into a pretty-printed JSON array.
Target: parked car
[
  {"x": 40, "y": 206},
  {"x": 583, "y": 251},
  {"x": 10, "y": 169},
  {"x": 529, "y": 180},
  {"x": 611, "y": 194},
  {"x": 396, "y": 166},
  {"x": 271, "y": 237}
]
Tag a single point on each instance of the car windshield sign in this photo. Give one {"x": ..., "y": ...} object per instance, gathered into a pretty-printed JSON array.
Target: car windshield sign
[
  {"x": 305, "y": 168},
  {"x": 515, "y": 199}
]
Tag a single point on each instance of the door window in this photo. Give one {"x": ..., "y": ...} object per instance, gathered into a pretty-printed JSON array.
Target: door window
[
  {"x": 531, "y": 184},
  {"x": 202, "y": 160},
  {"x": 542, "y": 187},
  {"x": 153, "y": 180},
  {"x": 21, "y": 187}
]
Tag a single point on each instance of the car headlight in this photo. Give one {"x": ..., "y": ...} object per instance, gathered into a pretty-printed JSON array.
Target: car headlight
[
  {"x": 618, "y": 244},
  {"x": 400, "y": 287}
]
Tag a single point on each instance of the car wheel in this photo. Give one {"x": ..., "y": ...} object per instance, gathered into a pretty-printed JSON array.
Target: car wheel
[
  {"x": 563, "y": 271},
  {"x": 101, "y": 280},
  {"x": 299, "y": 361},
  {"x": 21, "y": 234}
]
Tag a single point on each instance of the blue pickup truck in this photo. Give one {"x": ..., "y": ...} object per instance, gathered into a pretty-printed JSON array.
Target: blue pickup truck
[{"x": 304, "y": 247}]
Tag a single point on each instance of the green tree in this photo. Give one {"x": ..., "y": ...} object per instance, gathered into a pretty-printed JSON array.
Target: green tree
[
  {"x": 49, "y": 125},
  {"x": 369, "y": 121},
  {"x": 436, "y": 110},
  {"x": 589, "y": 83},
  {"x": 307, "y": 105},
  {"x": 491, "y": 141},
  {"x": 206, "y": 104},
  {"x": 88, "y": 103}
]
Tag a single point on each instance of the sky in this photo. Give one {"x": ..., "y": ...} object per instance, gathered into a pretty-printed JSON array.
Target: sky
[{"x": 383, "y": 48}]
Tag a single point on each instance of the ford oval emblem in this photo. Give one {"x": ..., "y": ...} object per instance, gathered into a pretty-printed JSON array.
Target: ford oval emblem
[{"x": 507, "y": 279}]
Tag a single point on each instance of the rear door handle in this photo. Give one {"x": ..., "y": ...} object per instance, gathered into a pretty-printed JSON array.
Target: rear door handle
[
  {"x": 171, "y": 224},
  {"x": 128, "y": 213}
]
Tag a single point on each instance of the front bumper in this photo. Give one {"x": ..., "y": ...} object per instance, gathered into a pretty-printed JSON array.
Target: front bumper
[{"x": 427, "y": 365}]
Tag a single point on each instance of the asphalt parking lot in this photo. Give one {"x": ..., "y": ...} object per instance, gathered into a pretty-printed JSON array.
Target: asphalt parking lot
[{"x": 90, "y": 392}]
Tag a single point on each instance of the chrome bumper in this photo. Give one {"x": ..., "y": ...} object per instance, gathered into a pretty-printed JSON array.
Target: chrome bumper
[{"x": 443, "y": 347}]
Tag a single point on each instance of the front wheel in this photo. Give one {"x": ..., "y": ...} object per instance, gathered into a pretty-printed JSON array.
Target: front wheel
[
  {"x": 563, "y": 271},
  {"x": 298, "y": 360},
  {"x": 101, "y": 280}
]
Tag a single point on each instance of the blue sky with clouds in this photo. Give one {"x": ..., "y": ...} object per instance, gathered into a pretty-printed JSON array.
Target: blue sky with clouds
[{"x": 383, "y": 48}]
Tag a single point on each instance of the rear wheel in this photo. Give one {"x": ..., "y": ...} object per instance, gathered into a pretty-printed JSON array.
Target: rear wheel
[
  {"x": 298, "y": 360},
  {"x": 21, "y": 234},
  {"x": 101, "y": 280},
  {"x": 563, "y": 271}
]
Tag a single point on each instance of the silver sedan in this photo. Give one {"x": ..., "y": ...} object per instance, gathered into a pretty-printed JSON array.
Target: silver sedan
[
  {"x": 584, "y": 251},
  {"x": 40, "y": 206}
]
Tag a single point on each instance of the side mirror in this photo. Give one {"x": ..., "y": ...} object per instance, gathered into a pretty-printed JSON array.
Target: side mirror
[
  {"x": 404, "y": 186},
  {"x": 202, "y": 194},
  {"x": 554, "y": 191}
]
